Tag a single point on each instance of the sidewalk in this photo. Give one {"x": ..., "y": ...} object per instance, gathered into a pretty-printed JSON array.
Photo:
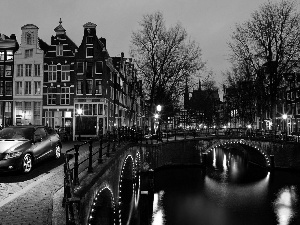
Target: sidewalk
[{"x": 40, "y": 202}]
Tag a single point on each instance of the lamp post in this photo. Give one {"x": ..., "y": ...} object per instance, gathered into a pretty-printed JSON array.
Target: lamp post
[
  {"x": 79, "y": 112},
  {"x": 157, "y": 115},
  {"x": 284, "y": 117}
]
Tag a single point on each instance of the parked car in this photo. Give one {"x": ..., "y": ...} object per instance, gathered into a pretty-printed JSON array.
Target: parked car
[{"x": 22, "y": 146}]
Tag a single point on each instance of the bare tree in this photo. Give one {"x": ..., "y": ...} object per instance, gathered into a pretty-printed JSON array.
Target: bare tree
[
  {"x": 270, "y": 40},
  {"x": 165, "y": 58}
]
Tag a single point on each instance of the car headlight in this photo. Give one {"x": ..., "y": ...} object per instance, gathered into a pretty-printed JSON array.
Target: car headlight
[{"x": 12, "y": 155}]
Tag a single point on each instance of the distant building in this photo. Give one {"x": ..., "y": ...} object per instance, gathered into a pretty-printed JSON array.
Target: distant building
[
  {"x": 94, "y": 86},
  {"x": 202, "y": 108},
  {"x": 28, "y": 78},
  {"x": 59, "y": 81},
  {"x": 8, "y": 47}
]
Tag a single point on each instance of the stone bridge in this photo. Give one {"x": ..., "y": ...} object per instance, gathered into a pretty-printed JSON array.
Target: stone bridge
[{"x": 112, "y": 192}]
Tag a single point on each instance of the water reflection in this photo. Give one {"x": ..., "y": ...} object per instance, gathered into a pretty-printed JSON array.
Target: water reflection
[
  {"x": 284, "y": 205},
  {"x": 230, "y": 192}
]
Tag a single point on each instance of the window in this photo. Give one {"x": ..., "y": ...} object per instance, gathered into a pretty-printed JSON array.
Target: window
[
  {"x": 65, "y": 96},
  {"x": 99, "y": 67},
  {"x": 80, "y": 67},
  {"x": 298, "y": 108},
  {"x": 2, "y": 55},
  {"x": 27, "y": 87},
  {"x": 19, "y": 88},
  {"x": 89, "y": 40},
  {"x": 1, "y": 70},
  {"x": 28, "y": 70},
  {"x": 59, "y": 50},
  {"x": 79, "y": 87},
  {"x": 10, "y": 55},
  {"x": 37, "y": 87},
  {"x": 37, "y": 70},
  {"x": 1, "y": 88},
  {"x": 8, "y": 71},
  {"x": 28, "y": 39},
  {"x": 98, "y": 87},
  {"x": 8, "y": 88},
  {"x": 52, "y": 73},
  {"x": 20, "y": 70},
  {"x": 89, "y": 69},
  {"x": 49, "y": 119},
  {"x": 37, "y": 112},
  {"x": 19, "y": 109},
  {"x": 89, "y": 87},
  {"x": 100, "y": 109},
  {"x": 89, "y": 52},
  {"x": 51, "y": 99},
  {"x": 65, "y": 73},
  {"x": 28, "y": 53}
]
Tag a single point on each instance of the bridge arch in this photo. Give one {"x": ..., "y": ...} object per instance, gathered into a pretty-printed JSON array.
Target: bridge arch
[
  {"x": 242, "y": 142},
  {"x": 137, "y": 178},
  {"x": 103, "y": 208},
  {"x": 126, "y": 190}
]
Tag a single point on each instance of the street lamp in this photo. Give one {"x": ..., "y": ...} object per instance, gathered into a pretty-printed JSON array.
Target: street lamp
[
  {"x": 156, "y": 116},
  {"x": 284, "y": 117},
  {"x": 79, "y": 112}
]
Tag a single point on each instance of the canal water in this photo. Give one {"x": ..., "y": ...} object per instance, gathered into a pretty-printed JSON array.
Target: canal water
[{"x": 231, "y": 191}]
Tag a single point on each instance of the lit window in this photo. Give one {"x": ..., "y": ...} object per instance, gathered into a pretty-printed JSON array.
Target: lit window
[
  {"x": 10, "y": 55},
  {"x": 20, "y": 70},
  {"x": 8, "y": 88},
  {"x": 59, "y": 50},
  {"x": 28, "y": 53},
  {"x": 89, "y": 52},
  {"x": 65, "y": 73},
  {"x": 52, "y": 73},
  {"x": 28, "y": 70},
  {"x": 8, "y": 71},
  {"x": 79, "y": 87},
  {"x": 2, "y": 55},
  {"x": 19, "y": 88},
  {"x": 65, "y": 96},
  {"x": 89, "y": 87},
  {"x": 37, "y": 87},
  {"x": 27, "y": 87},
  {"x": 37, "y": 70},
  {"x": 98, "y": 87}
]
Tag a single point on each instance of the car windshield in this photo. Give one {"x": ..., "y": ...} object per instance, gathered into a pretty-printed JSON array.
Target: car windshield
[{"x": 16, "y": 133}]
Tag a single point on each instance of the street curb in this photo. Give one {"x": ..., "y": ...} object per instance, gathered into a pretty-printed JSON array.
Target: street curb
[{"x": 58, "y": 215}]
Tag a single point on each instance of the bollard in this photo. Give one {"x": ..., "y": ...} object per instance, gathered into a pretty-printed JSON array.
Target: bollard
[
  {"x": 76, "y": 154},
  {"x": 90, "y": 169},
  {"x": 175, "y": 134},
  {"x": 100, "y": 150}
]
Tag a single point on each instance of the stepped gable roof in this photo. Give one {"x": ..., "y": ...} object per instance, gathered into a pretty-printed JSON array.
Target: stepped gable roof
[
  {"x": 29, "y": 26},
  {"x": 59, "y": 28}
]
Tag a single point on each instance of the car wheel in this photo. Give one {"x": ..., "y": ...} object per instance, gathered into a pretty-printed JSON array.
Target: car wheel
[
  {"x": 57, "y": 151},
  {"x": 27, "y": 163}
]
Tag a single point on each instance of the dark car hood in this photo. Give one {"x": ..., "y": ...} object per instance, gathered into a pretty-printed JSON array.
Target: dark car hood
[{"x": 5, "y": 145}]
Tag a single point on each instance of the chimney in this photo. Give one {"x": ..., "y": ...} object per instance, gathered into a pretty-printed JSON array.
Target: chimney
[
  {"x": 103, "y": 40},
  {"x": 13, "y": 36},
  {"x": 122, "y": 55}
]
